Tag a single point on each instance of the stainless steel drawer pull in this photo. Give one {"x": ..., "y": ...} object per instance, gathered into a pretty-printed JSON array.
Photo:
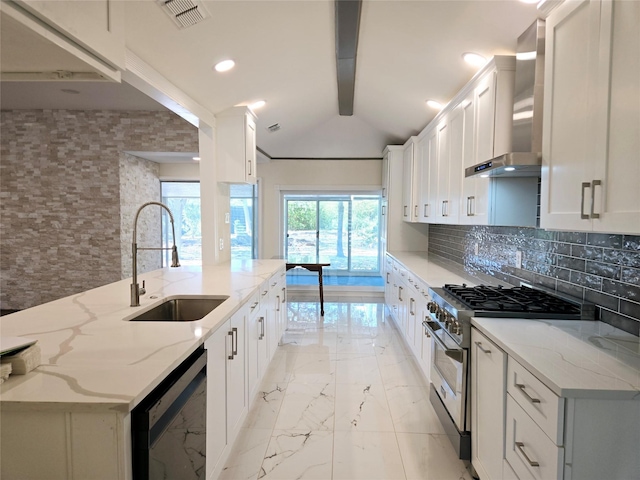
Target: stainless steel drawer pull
[
  {"x": 479, "y": 344},
  {"x": 426, "y": 207},
  {"x": 400, "y": 294},
  {"x": 415, "y": 210},
  {"x": 520, "y": 446},
  {"x": 594, "y": 184},
  {"x": 411, "y": 305},
  {"x": 472, "y": 206},
  {"x": 405, "y": 211},
  {"x": 584, "y": 216},
  {"x": 277, "y": 303},
  {"x": 255, "y": 304},
  {"x": 261, "y": 321},
  {"x": 522, "y": 389}
]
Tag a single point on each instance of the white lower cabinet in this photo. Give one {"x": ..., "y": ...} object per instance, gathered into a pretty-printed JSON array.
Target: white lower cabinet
[
  {"x": 488, "y": 377},
  {"x": 522, "y": 430},
  {"x": 227, "y": 401}
]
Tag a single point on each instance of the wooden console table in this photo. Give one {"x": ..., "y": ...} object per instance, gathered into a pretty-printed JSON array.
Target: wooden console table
[{"x": 313, "y": 267}]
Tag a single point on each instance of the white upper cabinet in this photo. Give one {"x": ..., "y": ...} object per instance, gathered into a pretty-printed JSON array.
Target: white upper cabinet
[
  {"x": 236, "y": 145},
  {"x": 410, "y": 172},
  {"x": 97, "y": 26},
  {"x": 591, "y": 132},
  {"x": 449, "y": 156},
  {"x": 428, "y": 158}
]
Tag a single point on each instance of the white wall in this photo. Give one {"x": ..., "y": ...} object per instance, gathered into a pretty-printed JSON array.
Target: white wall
[{"x": 280, "y": 175}]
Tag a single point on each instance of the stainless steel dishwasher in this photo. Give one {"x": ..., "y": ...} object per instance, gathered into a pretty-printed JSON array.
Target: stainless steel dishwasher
[{"x": 168, "y": 427}]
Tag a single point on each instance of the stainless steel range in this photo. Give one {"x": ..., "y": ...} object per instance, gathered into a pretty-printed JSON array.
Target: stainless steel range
[{"x": 449, "y": 325}]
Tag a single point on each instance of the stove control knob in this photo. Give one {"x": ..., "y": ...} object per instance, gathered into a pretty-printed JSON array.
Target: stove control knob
[
  {"x": 432, "y": 306},
  {"x": 448, "y": 320},
  {"x": 457, "y": 328}
]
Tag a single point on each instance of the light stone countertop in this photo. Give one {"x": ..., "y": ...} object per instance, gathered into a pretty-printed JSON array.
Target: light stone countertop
[
  {"x": 92, "y": 359},
  {"x": 436, "y": 271},
  {"x": 574, "y": 358}
]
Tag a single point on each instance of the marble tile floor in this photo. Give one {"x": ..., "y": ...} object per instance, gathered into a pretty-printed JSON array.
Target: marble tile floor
[{"x": 342, "y": 399}]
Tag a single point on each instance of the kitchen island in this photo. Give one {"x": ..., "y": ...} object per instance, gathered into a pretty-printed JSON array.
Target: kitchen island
[{"x": 71, "y": 414}]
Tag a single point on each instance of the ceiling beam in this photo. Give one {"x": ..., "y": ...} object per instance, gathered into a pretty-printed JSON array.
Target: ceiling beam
[{"x": 347, "y": 28}]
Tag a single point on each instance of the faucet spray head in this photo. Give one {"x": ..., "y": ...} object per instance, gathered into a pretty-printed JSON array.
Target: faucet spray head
[{"x": 175, "y": 262}]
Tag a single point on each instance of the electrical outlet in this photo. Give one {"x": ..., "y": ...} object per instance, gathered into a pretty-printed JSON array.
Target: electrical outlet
[
  {"x": 518, "y": 259},
  {"x": 222, "y": 244},
  {"x": 226, "y": 217},
  {"x": 475, "y": 249}
]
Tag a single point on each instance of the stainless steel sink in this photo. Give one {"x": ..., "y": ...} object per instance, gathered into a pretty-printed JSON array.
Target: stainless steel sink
[{"x": 180, "y": 310}]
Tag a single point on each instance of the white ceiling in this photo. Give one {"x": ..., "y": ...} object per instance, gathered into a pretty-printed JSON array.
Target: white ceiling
[{"x": 408, "y": 52}]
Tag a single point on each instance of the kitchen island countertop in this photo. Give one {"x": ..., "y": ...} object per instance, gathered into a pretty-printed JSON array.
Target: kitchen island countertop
[{"x": 93, "y": 359}]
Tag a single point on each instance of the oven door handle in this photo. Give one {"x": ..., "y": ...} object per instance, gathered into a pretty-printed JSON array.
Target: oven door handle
[{"x": 456, "y": 354}]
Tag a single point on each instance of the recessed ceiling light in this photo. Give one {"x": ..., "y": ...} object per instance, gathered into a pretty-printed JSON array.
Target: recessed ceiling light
[
  {"x": 509, "y": 169},
  {"x": 529, "y": 1},
  {"x": 70, "y": 91},
  {"x": 258, "y": 104},
  {"x": 224, "y": 65},
  {"x": 474, "y": 59},
  {"x": 197, "y": 159},
  {"x": 434, "y": 104},
  {"x": 484, "y": 175}
]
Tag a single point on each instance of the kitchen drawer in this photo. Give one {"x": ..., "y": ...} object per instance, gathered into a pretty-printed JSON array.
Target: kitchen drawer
[
  {"x": 535, "y": 398},
  {"x": 254, "y": 302},
  {"x": 528, "y": 450}
]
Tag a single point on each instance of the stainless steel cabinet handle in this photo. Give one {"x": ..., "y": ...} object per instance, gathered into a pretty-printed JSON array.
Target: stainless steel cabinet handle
[
  {"x": 264, "y": 293},
  {"x": 479, "y": 344},
  {"x": 230, "y": 357},
  {"x": 384, "y": 192},
  {"x": 472, "y": 206},
  {"x": 411, "y": 305},
  {"x": 277, "y": 303},
  {"x": 249, "y": 162},
  {"x": 383, "y": 209},
  {"x": 584, "y": 216},
  {"x": 594, "y": 184},
  {"x": 445, "y": 208},
  {"x": 442, "y": 211},
  {"x": 234, "y": 331},
  {"x": 284, "y": 291},
  {"x": 405, "y": 211},
  {"x": 415, "y": 210},
  {"x": 255, "y": 304},
  {"x": 522, "y": 389},
  {"x": 387, "y": 278},
  {"x": 426, "y": 207},
  {"x": 400, "y": 293},
  {"x": 261, "y": 322},
  {"x": 520, "y": 446}
]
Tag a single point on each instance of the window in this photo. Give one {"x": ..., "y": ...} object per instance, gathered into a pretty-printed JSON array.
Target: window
[
  {"x": 183, "y": 199},
  {"x": 243, "y": 221},
  {"x": 339, "y": 229}
]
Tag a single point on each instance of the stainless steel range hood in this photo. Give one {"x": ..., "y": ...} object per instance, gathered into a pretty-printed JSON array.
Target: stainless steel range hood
[{"x": 525, "y": 157}]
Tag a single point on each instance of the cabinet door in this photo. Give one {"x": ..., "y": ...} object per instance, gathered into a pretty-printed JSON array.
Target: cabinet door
[
  {"x": 384, "y": 204},
  {"x": 443, "y": 171},
  {"x": 428, "y": 169},
  {"x": 410, "y": 323},
  {"x": 617, "y": 196},
  {"x": 454, "y": 183},
  {"x": 250, "y": 150},
  {"x": 216, "y": 346},
  {"x": 236, "y": 383},
  {"x": 485, "y": 104},
  {"x": 253, "y": 344},
  {"x": 488, "y": 394},
  {"x": 407, "y": 182},
  {"x": 570, "y": 116}
]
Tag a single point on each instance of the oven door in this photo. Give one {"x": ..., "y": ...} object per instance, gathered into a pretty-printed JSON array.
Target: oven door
[{"x": 449, "y": 373}]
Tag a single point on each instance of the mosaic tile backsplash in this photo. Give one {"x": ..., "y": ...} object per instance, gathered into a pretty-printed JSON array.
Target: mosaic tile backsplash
[
  {"x": 60, "y": 195},
  {"x": 599, "y": 268}
]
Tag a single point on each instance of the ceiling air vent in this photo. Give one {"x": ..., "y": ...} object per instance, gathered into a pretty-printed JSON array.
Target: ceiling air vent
[
  {"x": 274, "y": 128},
  {"x": 184, "y": 13}
]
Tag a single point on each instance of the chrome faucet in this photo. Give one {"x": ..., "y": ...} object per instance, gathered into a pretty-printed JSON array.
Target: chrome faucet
[{"x": 136, "y": 291}]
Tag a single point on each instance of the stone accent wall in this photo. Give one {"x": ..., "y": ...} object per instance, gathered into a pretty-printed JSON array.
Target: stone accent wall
[
  {"x": 599, "y": 268},
  {"x": 60, "y": 196},
  {"x": 139, "y": 184}
]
